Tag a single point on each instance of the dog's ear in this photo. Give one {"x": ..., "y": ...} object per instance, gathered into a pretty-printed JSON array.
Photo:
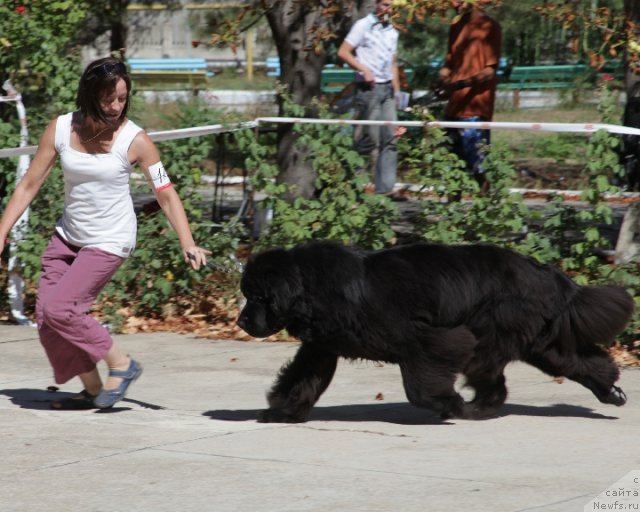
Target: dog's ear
[
  {"x": 277, "y": 275},
  {"x": 288, "y": 291}
]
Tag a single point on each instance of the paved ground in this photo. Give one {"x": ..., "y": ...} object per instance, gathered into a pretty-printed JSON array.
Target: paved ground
[{"x": 186, "y": 439}]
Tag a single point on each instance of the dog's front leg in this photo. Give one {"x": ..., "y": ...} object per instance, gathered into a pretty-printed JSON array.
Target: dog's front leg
[{"x": 299, "y": 385}]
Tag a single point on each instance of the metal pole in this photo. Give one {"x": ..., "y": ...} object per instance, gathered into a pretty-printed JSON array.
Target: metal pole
[
  {"x": 15, "y": 289},
  {"x": 249, "y": 53}
]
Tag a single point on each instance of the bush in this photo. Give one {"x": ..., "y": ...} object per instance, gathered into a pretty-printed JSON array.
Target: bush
[{"x": 341, "y": 209}]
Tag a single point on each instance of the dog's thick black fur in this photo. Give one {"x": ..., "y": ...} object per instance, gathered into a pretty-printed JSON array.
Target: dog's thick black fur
[{"x": 435, "y": 310}]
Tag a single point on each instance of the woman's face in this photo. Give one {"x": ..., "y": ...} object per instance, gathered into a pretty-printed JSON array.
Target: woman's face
[{"x": 112, "y": 103}]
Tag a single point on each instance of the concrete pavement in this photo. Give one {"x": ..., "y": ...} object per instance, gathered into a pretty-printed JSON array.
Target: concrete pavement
[{"x": 186, "y": 439}]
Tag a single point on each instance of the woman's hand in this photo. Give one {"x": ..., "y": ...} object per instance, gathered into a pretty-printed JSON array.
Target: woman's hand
[{"x": 195, "y": 255}]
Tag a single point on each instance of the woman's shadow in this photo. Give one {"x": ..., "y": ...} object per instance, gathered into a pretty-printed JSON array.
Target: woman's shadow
[{"x": 40, "y": 399}]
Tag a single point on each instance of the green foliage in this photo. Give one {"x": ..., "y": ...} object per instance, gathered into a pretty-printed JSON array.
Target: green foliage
[
  {"x": 577, "y": 231},
  {"x": 38, "y": 54},
  {"x": 559, "y": 146},
  {"x": 609, "y": 105},
  {"x": 496, "y": 216},
  {"x": 341, "y": 208},
  {"x": 38, "y": 58}
]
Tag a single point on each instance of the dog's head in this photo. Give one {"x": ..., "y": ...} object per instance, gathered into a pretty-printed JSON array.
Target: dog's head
[{"x": 272, "y": 286}]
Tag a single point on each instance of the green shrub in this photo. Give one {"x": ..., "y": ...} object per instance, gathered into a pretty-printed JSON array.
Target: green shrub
[{"x": 341, "y": 209}]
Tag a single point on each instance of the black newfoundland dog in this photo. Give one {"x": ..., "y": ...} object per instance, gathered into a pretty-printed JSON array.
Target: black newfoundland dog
[{"x": 435, "y": 310}]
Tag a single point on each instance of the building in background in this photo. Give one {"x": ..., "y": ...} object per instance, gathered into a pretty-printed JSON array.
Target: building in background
[{"x": 158, "y": 32}]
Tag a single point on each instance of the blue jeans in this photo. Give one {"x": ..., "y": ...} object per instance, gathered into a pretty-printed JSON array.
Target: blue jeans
[
  {"x": 468, "y": 144},
  {"x": 377, "y": 103}
]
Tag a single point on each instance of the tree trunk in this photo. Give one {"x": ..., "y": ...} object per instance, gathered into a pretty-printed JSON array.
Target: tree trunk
[
  {"x": 118, "y": 41},
  {"x": 119, "y": 28},
  {"x": 300, "y": 69},
  {"x": 301, "y": 59}
]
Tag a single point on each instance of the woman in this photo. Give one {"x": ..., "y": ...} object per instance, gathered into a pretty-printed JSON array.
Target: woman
[{"x": 97, "y": 146}]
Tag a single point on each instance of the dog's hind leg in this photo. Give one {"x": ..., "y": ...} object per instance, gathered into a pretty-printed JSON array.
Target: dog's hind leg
[
  {"x": 299, "y": 385},
  {"x": 428, "y": 384},
  {"x": 429, "y": 375},
  {"x": 591, "y": 366},
  {"x": 485, "y": 374}
]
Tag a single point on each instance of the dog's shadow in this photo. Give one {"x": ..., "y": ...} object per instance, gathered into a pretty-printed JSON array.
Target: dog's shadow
[
  {"x": 40, "y": 399},
  {"x": 407, "y": 414},
  {"x": 401, "y": 413}
]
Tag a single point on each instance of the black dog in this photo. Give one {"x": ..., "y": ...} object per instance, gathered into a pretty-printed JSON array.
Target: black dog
[{"x": 435, "y": 310}]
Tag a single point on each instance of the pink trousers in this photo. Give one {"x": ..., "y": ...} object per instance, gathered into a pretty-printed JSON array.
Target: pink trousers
[{"x": 70, "y": 281}]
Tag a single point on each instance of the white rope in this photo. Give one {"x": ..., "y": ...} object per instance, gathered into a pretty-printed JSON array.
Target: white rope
[
  {"x": 182, "y": 133},
  {"x": 198, "y": 131},
  {"x": 485, "y": 125}
]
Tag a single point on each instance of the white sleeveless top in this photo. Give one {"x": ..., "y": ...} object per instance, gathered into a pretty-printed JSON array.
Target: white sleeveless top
[{"x": 98, "y": 210}]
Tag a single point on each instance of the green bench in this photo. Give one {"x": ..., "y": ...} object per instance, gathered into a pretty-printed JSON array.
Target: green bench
[
  {"x": 169, "y": 74},
  {"x": 335, "y": 79},
  {"x": 563, "y": 76},
  {"x": 614, "y": 67},
  {"x": 544, "y": 77}
]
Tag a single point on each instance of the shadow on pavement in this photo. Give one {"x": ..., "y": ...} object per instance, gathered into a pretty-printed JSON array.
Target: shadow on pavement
[
  {"x": 400, "y": 413},
  {"x": 406, "y": 414},
  {"x": 556, "y": 411},
  {"x": 41, "y": 399}
]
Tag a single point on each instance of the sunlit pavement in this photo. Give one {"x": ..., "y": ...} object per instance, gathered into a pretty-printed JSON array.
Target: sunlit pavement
[{"x": 186, "y": 439}]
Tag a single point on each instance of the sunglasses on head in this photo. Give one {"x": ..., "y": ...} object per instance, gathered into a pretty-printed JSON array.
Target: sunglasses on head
[{"x": 108, "y": 68}]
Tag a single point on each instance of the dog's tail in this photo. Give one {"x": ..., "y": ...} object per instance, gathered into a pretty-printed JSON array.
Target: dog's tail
[{"x": 597, "y": 314}]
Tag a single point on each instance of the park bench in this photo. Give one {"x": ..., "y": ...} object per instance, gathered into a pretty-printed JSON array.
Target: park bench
[
  {"x": 544, "y": 77},
  {"x": 169, "y": 74},
  {"x": 614, "y": 67},
  {"x": 562, "y": 76},
  {"x": 272, "y": 64},
  {"x": 335, "y": 79}
]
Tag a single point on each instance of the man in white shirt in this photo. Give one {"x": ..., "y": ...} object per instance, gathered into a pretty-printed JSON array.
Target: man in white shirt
[{"x": 370, "y": 48}]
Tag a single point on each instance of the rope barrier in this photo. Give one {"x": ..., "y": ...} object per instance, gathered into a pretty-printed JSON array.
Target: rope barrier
[
  {"x": 4, "y": 99},
  {"x": 160, "y": 136},
  {"x": 198, "y": 131},
  {"x": 544, "y": 127}
]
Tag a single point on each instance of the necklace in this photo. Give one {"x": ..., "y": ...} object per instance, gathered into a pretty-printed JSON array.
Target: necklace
[{"x": 84, "y": 141}]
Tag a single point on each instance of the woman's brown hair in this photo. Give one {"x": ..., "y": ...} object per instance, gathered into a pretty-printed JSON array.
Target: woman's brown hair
[{"x": 100, "y": 78}]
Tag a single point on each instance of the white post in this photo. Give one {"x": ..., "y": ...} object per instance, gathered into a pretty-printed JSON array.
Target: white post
[{"x": 15, "y": 288}]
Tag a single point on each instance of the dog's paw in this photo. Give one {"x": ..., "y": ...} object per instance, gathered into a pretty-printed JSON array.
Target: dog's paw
[
  {"x": 615, "y": 397},
  {"x": 472, "y": 411},
  {"x": 277, "y": 416}
]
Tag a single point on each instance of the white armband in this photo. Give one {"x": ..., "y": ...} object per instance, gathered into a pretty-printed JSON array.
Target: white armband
[{"x": 159, "y": 177}]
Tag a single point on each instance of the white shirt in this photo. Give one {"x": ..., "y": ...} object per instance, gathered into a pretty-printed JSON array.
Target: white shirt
[
  {"x": 98, "y": 209},
  {"x": 375, "y": 46}
]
